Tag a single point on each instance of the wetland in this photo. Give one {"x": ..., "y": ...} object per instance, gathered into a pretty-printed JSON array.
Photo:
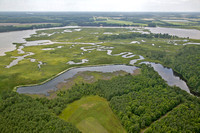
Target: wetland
[{"x": 126, "y": 73}]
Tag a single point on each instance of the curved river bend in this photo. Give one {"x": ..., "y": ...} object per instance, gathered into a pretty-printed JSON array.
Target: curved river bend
[
  {"x": 51, "y": 85},
  {"x": 166, "y": 73}
]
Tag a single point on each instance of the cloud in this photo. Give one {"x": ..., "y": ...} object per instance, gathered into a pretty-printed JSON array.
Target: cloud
[{"x": 99, "y": 5}]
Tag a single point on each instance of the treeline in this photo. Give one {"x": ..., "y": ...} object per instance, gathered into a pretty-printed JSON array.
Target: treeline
[
  {"x": 134, "y": 35},
  {"x": 106, "y": 24},
  {"x": 184, "y": 117},
  {"x": 185, "y": 62},
  {"x": 29, "y": 27},
  {"x": 136, "y": 100},
  {"x": 86, "y": 18},
  {"x": 23, "y": 114}
]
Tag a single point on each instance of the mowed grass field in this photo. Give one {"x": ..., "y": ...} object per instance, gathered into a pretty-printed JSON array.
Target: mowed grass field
[{"x": 92, "y": 114}]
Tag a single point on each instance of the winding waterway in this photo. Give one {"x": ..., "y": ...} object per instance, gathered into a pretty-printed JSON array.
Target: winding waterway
[
  {"x": 51, "y": 85},
  {"x": 8, "y": 38},
  {"x": 168, "y": 75},
  {"x": 6, "y": 44}
]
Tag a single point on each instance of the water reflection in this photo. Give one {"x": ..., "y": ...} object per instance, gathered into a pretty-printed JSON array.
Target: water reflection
[
  {"x": 51, "y": 85},
  {"x": 168, "y": 75}
]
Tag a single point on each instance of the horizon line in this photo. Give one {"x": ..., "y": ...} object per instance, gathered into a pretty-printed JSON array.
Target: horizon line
[{"x": 116, "y": 11}]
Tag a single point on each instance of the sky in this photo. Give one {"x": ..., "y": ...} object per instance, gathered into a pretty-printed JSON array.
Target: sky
[{"x": 102, "y": 5}]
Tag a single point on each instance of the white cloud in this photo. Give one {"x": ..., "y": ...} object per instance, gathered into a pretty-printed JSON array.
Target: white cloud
[{"x": 99, "y": 5}]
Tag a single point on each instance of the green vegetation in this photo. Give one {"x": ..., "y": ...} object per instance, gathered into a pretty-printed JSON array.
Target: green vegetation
[
  {"x": 92, "y": 114},
  {"x": 19, "y": 113},
  {"x": 184, "y": 117},
  {"x": 27, "y": 27},
  {"x": 178, "y": 20},
  {"x": 186, "y": 62},
  {"x": 104, "y": 103},
  {"x": 137, "y": 101},
  {"x": 140, "y": 100},
  {"x": 55, "y": 61},
  {"x": 135, "y": 35},
  {"x": 112, "y": 22}
]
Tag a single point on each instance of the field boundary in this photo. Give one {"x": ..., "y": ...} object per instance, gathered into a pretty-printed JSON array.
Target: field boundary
[{"x": 163, "y": 116}]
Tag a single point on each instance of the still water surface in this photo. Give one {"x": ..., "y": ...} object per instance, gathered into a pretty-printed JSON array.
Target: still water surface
[
  {"x": 191, "y": 33},
  {"x": 166, "y": 73},
  {"x": 51, "y": 85}
]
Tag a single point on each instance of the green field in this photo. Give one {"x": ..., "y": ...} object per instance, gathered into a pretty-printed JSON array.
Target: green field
[
  {"x": 92, "y": 114},
  {"x": 120, "y": 22}
]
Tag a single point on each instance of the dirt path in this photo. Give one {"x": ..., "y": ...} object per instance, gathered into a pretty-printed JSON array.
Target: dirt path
[{"x": 143, "y": 130}]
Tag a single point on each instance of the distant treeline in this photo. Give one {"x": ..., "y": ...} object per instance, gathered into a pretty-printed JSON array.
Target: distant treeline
[
  {"x": 111, "y": 24},
  {"x": 86, "y": 19},
  {"x": 134, "y": 35},
  {"x": 29, "y": 27}
]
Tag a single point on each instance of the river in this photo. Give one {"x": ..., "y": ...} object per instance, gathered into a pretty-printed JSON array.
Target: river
[
  {"x": 51, "y": 85},
  {"x": 166, "y": 74},
  {"x": 8, "y": 38},
  {"x": 191, "y": 33}
]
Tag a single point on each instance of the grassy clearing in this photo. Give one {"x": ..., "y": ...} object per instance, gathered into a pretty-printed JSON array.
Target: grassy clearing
[{"x": 93, "y": 112}]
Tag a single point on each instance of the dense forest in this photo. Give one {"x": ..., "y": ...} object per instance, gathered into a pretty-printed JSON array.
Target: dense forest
[
  {"x": 17, "y": 28},
  {"x": 179, "y": 117},
  {"x": 136, "y": 100},
  {"x": 20, "y": 113},
  {"x": 185, "y": 62},
  {"x": 135, "y": 35}
]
